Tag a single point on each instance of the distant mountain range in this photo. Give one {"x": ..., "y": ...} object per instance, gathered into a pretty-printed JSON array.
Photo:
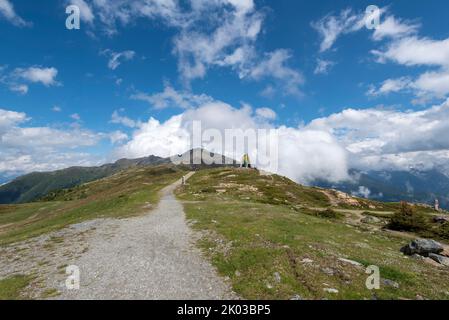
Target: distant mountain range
[
  {"x": 33, "y": 186},
  {"x": 392, "y": 186},
  {"x": 389, "y": 186}
]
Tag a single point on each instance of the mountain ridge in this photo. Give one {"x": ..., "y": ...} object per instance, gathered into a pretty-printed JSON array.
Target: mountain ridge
[
  {"x": 416, "y": 186},
  {"x": 32, "y": 186}
]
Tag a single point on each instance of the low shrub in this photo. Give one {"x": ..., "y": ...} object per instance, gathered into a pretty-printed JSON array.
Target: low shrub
[
  {"x": 327, "y": 214},
  {"x": 443, "y": 231},
  {"x": 408, "y": 219}
]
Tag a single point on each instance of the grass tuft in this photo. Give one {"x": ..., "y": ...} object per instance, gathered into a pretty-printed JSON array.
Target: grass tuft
[{"x": 12, "y": 287}]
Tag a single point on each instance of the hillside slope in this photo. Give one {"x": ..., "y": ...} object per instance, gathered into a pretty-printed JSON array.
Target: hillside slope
[
  {"x": 272, "y": 238},
  {"x": 126, "y": 193},
  {"x": 277, "y": 240},
  {"x": 32, "y": 186}
]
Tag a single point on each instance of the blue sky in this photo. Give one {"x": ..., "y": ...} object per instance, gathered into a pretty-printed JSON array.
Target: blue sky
[{"x": 352, "y": 96}]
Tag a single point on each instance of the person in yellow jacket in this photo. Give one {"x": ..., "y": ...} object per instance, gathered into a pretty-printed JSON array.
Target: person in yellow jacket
[{"x": 246, "y": 163}]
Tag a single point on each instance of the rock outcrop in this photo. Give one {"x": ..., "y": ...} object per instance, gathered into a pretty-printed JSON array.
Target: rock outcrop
[
  {"x": 440, "y": 259},
  {"x": 423, "y": 247},
  {"x": 441, "y": 220}
]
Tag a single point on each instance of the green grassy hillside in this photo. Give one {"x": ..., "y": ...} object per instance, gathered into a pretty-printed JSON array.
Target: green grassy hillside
[
  {"x": 276, "y": 240},
  {"x": 120, "y": 195},
  {"x": 273, "y": 238},
  {"x": 32, "y": 186},
  {"x": 10, "y": 288}
]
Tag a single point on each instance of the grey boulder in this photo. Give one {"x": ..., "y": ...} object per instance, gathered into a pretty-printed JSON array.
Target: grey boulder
[
  {"x": 370, "y": 220},
  {"x": 390, "y": 283},
  {"x": 422, "y": 247},
  {"x": 440, "y": 259},
  {"x": 441, "y": 220}
]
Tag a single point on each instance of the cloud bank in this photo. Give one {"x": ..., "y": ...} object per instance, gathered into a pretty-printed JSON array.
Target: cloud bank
[
  {"x": 304, "y": 154},
  {"x": 26, "y": 148},
  {"x": 325, "y": 148}
]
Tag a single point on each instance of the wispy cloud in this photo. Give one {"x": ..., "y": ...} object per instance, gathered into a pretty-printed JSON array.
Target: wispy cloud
[
  {"x": 75, "y": 117},
  {"x": 323, "y": 66},
  {"x": 400, "y": 44},
  {"x": 413, "y": 51},
  {"x": 331, "y": 27},
  {"x": 27, "y": 148},
  {"x": 392, "y": 27},
  {"x": 19, "y": 79},
  {"x": 416, "y": 51},
  {"x": 173, "y": 98},
  {"x": 86, "y": 12},
  {"x": 20, "y": 88},
  {"x": 275, "y": 65},
  {"x": 390, "y": 86},
  {"x": 7, "y": 12},
  {"x": 116, "y": 58},
  {"x": 117, "y": 118},
  {"x": 229, "y": 42},
  {"x": 266, "y": 113}
]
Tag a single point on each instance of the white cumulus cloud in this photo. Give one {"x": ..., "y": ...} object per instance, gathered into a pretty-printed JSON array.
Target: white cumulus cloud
[
  {"x": 25, "y": 148},
  {"x": 387, "y": 138},
  {"x": 414, "y": 52},
  {"x": 45, "y": 76},
  {"x": 304, "y": 154}
]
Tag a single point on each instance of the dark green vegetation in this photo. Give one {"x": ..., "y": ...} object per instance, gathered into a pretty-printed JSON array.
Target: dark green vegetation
[
  {"x": 265, "y": 233},
  {"x": 126, "y": 193},
  {"x": 407, "y": 218},
  {"x": 11, "y": 288},
  {"x": 328, "y": 213},
  {"x": 32, "y": 186}
]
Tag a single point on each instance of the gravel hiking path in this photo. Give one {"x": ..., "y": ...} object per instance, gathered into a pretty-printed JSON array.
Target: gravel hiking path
[{"x": 148, "y": 257}]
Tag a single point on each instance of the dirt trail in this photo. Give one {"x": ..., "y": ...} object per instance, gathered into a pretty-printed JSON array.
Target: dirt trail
[{"x": 149, "y": 257}]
